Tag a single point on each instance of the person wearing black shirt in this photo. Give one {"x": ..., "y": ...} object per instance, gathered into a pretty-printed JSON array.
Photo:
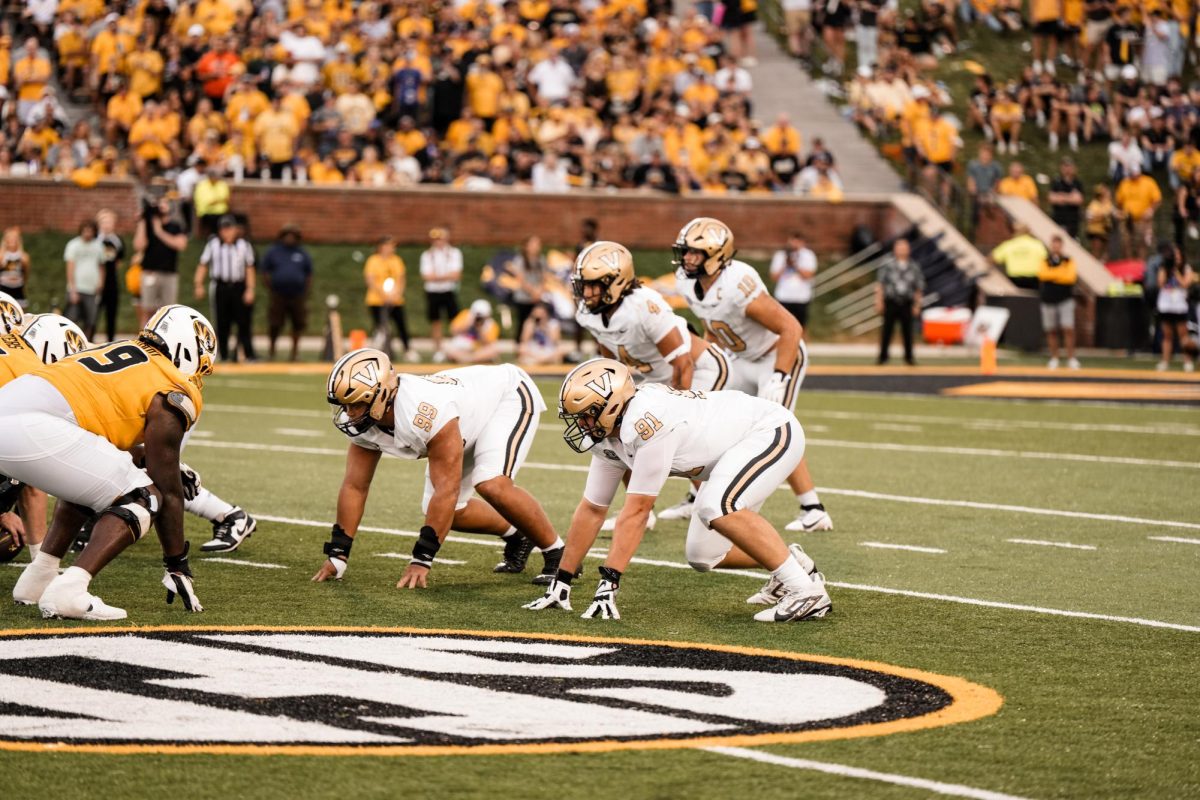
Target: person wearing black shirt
[
  {"x": 1066, "y": 198},
  {"x": 114, "y": 252},
  {"x": 1122, "y": 40},
  {"x": 1157, "y": 145},
  {"x": 866, "y": 32},
  {"x": 159, "y": 238}
]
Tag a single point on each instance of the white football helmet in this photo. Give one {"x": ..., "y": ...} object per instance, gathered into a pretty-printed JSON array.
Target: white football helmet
[
  {"x": 186, "y": 337},
  {"x": 53, "y": 336},
  {"x": 11, "y": 314}
]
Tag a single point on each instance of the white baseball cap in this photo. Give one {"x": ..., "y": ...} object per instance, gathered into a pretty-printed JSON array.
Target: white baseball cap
[{"x": 481, "y": 308}]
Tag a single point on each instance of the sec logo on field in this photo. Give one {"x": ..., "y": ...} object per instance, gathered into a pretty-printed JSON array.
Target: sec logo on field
[{"x": 397, "y": 691}]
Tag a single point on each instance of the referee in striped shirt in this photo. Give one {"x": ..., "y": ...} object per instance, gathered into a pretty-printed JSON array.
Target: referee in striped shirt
[{"x": 230, "y": 259}]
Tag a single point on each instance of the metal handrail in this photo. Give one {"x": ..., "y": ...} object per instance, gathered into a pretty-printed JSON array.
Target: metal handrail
[
  {"x": 845, "y": 278},
  {"x": 850, "y": 298},
  {"x": 846, "y": 263}
]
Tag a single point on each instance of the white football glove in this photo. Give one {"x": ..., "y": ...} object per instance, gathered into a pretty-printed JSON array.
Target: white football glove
[
  {"x": 776, "y": 388},
  {"x": 604, "y": 604},
  {"x": 558, "y": 595},
  {"x": 191, "y": 481},
  {"x": 177, "y": 579}
]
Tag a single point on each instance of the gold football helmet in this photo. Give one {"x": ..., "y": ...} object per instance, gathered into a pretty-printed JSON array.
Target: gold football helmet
[
  {"x": 608, "y": 264},
  {"x": 709, "y": 236},
  {"x": 12, "y": 316},
  {"x": 592, "y": 401},
  {"x": 361, "y": 377}
]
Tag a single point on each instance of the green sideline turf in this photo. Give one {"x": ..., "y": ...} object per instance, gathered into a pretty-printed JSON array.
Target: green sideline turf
[{"x": 1092, "y": 708}]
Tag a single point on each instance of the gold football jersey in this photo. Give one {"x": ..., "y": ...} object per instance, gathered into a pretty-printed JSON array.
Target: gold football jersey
[
  {"x": 16, "y": 358},
  {"x": 110, "y": 389}
]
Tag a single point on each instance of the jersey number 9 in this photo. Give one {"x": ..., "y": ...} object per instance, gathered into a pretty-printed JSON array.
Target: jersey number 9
[
  {"x": 115, "y": 359},
  {"x": 425, "y": 416}
]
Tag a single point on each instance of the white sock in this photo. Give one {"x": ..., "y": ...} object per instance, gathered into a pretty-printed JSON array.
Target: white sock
[
  {"x": 45, "y": 560},
  {"x": 34, "y": 549},
  {"x": 208, "y": 505},
  {"x": 809, "y": 498},
  {"x": 76, "y": 576},
  {"x": 792, "y": 575},
  {"x": 511, "y": 530},
  {"x": 558, "y": 542}
]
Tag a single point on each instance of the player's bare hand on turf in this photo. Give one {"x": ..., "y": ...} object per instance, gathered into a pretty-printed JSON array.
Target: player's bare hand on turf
[
  {"x": 415, "y": 577},
  {"x": 12, "y": 524},
  {"x": 331, "y": 569}
]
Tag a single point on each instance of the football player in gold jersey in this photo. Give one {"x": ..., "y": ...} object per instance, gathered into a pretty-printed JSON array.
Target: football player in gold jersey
[
  {"x": 26, "y": 342},
  {"x": 67, "y": 429}
]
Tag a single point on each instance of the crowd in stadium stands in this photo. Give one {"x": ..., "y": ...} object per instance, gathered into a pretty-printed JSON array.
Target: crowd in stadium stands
[
  {"x": 542, "y": 94},
  {"x": 1101, "y": 71}
]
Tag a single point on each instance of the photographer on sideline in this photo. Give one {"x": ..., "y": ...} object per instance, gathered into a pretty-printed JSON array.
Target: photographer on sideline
[
  {"x": 793, "y": 269},
  {"x": 159, "y": 239}
]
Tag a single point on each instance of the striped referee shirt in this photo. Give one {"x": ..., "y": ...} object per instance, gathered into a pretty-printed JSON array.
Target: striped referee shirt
[{"x": 227, "y": 262}]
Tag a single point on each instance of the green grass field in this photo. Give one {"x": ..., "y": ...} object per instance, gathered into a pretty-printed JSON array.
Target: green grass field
[{"x": 1094, "y": 651}]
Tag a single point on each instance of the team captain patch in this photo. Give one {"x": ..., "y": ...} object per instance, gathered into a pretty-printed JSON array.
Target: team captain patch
[{"x": 370, "y": 691}]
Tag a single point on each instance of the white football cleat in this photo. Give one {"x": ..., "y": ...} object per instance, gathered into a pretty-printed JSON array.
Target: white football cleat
[
  {"x": 681, "y": 510},
  {"x": 772, "y": 591},
  {"x": 68, "y": 601},
  {"x": 229, "y": 533},
  {"x": 812, "y": 518},
  {"x": 32, "y": 584},
  {"x": 811, "y": 602},
  {"x": 610, "y": 524}
]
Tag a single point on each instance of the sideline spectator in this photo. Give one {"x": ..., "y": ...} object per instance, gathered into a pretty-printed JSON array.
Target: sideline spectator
[
  {"x": 529, "y": 269},
  {"x": 792, "y": 269},
  {"x": 898, "y": 299},
  {"x": 1175, "y": 279},
  {"x": 539, "y": 338},
  {"x": 114, "y": 254},
  {"x": 1066, "y": 198},
  {"x": 158, "y": 240},
  {"x": 84, "y": 257},
  {"x": 798, "y": 17},
  {"x": 1056, "y": 285},
  {"x": 1138, "y": 198},
  {"x": 1021, "y": 257},
  {"x": 473, "y": 335},
  {"x": 1186, "y": 215},
  {"x": 210, "y": 199},
  {"x": 14, "y": 266},
  {"x": 287, "y": 270},
  {"x": 386, "y": 278},
  {"x": 1099, "y": 221},
  {"x": 441, "y": 270},
  {"x": 229, "y": 260},
  {"x": 983, "y": 175}
]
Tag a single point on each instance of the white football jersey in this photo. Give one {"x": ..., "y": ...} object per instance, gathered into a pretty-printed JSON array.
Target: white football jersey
[
  {"x": 723, "y": 310},
  {"x": 705, "y": 424},
  {"x": 633, "y": 332},
  {"x": 425, "y": 403}
]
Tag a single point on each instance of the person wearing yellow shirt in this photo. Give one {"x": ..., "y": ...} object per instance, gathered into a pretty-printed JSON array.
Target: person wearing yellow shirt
[
  {"x": 108, "y": 51},
  {"x": 244, "y": 105},
  {"x": 702, "y": 93},
  {"x": 1005, "y": 119},
  {"x": 938, "y": 144},
  {"x": 144, "y": 67},
  {"x": 1020, "y": 257},
  {"x": 781, "y": 139},
  {"x": 661, "y": 68},
  {"x": 1138, "y": 198},
  {"x": 1045, "y": 16},
  {"x": 211, "y": 201},
  {"x": 483, "y": 88},
  {"x": 473, "y": 335},
  {"x": 123, "y": 109},
  {"x": 72, "y": 55},
  {"x": 913, "y": 117},
  {"x": 623, "y": 81},
  {"x": 1184, "y": 163},
  {"x": 31, "y": 74},
  {"x": 215, "y": 15},
  {"x": 338, "y": 75},
  {"x": 40, "y": 136},
  {"x": 1018, "y": 184},
  {"x": 372, "y": 68},
  {"x": 150, "y": 140},
  {"x": 370, "y": 171},
  {"x": 275, "y": 133},
  {"x": 1056, "y": 285},
  {"x": 204, "y": 120},
  {"x": 384, "y": 274},
  {"x": 510, "y": 27},
  {"x": 410, "y": 139},
  {"x": 325, "y": 172}
]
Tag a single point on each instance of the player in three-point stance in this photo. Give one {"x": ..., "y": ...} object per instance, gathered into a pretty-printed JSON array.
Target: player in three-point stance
[
  {"x": 768, "y": 355},
  {"x": 632, "y": 323},
  {"x": 67, "y": 428},
  {"x": 27, "y": 342},
  {"x": 475, "y": 425},
  {"x": 741, "y": 447}
]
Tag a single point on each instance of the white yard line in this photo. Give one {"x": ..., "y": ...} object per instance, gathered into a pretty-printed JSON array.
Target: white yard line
[
  {"x": 1066, "y": 545},
  {"x": 1177, "y": 539},
  {"x": 301, "y": 432},
  {"x": 999, "y": 423},
  {"x": 238, "y": 383},
  {"x": 239, "y": 562},
  {"x": 893, "y": 426},
  {"x": 910, "y": 547},
  {"x": 758, "y": 576},
  {"x": 937, "y": 787},
  {"x": 932, "y": 501},
  {"x": 992, "y": 452},
  {"x": 268, "y": 411},
  {"x": 408, "y": 557}
]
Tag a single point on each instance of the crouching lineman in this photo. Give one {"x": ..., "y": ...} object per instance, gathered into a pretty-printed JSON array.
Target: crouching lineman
[
  {"x": 633, "y": 324},
  {"x": 474, "y": 424},
  {"x": 26, "y": 343},
  {"x": 67, "y": 428},
  {"x": 741, "y": 447},
  {"x": 769, "y": 358}
]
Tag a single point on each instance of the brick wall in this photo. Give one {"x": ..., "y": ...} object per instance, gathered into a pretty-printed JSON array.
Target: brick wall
[{"x": 483, "y": 218}]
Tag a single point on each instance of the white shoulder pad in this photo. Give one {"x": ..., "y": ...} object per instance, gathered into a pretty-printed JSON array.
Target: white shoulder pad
[{"x": 184, "y": 405}]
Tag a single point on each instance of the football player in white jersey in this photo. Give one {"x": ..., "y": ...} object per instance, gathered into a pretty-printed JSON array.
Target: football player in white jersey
[
  {"x": 633, "y": 324},
  {"x": 474, "y": 424},
  {"x": 741, "y": 447},
  {"x": 768, "y": 355}
]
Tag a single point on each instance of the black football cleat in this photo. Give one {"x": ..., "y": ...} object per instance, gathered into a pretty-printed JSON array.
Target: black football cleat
[{"x": 516, "y": 554}]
